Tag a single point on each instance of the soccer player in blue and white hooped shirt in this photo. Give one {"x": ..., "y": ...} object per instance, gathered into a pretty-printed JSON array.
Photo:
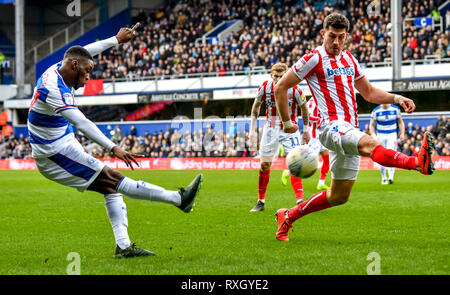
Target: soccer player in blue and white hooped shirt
[
  {"x": 387, "y": 126},
  {"x": 61, "y": 158}
]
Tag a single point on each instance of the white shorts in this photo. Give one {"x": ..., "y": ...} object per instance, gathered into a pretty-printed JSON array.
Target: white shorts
[
  {"x": 71, "y": 166},
  {"x": 271, "y": 139},
  {"x": 341, "y": 139},
  {"x": 389, "y": 141},
  {"x": 315, "y": 145}
]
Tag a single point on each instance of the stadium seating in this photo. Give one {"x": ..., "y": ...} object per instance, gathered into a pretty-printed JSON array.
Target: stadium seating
[{"x": 281, "y": 31}]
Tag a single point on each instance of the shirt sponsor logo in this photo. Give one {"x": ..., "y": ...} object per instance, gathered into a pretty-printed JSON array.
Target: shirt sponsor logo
[{"x": 341, "y": 71}]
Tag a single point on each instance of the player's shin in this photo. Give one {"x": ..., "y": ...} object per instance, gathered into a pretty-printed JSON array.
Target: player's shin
[
  {"x": 146, "y": 191},
  {"x": 317, "y": 202},
  {"x": 390, "y": 158},
  {"x": 117, "y": 213}
]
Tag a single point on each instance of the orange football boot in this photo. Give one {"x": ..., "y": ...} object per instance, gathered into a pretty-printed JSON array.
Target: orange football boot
[
  {"x": 284, "y": 225},
  {"x": 424, "y": 157}
]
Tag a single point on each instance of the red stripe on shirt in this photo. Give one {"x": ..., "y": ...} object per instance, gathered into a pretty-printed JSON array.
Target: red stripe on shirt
[
  {"x": 315, "y": 101},
  {"x": 33, "y": 101},
  {"x": 273, "y": 110},
  {"x": 350, "y": 86},
  {"x": 264, "y": 97},
  {"x": 357, "y": 73},
  {"x": 67, "y": 106},
  {"x": 326, "y": 93},
  {"x": 340, "y": 91}
]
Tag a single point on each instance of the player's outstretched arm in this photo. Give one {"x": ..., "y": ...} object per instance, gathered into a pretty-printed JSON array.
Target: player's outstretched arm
[
  {"x": 288, "y": 80},
  {"x": 124, "y": 35},
  {"x": 379, "y": 96}
]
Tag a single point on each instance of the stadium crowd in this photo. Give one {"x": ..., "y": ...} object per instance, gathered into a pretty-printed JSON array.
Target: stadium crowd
[
  {"x": 273, "y": 31},
  {"x": 209, "y": 143}
]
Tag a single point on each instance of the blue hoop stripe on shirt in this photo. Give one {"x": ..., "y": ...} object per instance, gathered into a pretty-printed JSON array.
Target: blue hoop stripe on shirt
[
  {"x": 72, "y": 166},
  {"x": 44, "y": 120},
  {"x": 386, "y": 123},
  {"x": 386, "y": 113},
  {"x": 34, "y": 139},
  {"x": 387, "y": 131}
]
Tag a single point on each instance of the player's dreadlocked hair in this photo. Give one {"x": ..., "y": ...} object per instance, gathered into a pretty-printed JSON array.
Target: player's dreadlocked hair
[
  {"x": 76, "y": 52},
  {"x": 279, "y": 67},
  {"x": 337, "y": 21}
]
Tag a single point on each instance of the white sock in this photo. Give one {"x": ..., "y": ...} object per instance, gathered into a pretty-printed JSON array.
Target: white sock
[
  {"x": 383, "y": 173},
  {"x": 146, "y": 191},
  {"x": 321, "y": 182},
  {"x": 391, "y": 172},
  {"x": 117, "y": 213}
]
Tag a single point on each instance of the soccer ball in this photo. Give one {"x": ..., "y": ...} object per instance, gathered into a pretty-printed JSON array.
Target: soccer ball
[{"x": 302, "y": 161}]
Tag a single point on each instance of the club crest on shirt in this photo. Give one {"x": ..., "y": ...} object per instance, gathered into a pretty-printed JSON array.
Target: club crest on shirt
[
  {"x": 68, "y": 98},
  {"x": 92, "y": 161}
]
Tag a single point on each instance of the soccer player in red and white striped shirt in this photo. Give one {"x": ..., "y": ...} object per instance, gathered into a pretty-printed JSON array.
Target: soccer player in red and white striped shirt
[
  {"x": 273, "y": 134},
  {"x": 333, "y": 75}
]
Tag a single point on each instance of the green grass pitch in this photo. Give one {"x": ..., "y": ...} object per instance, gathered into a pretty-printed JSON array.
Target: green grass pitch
[{"x": 406, "y": 223}]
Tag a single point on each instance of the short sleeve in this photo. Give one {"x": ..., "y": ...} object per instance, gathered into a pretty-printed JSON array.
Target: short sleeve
[
  {"x": 359, "y": 73},
  {"x": 261, "y": 93},
  {"x": 299, "y": 96},
  {"x": 60, "y": 97},
  {"x": 305, "y": 66}
]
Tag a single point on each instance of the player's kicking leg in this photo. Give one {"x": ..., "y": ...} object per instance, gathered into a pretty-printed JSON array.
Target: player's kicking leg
[
  {"x": 113, "y": 185},
  {"x": 390, "y": 158}
]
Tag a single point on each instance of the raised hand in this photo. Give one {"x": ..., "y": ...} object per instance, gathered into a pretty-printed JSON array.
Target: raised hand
[{"x": 126, "y": 34}]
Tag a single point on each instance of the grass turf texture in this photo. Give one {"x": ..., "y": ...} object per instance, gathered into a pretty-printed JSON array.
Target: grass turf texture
[{"x": 406, "y": 223}]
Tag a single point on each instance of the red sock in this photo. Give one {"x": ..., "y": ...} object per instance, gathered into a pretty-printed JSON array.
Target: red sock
[
  {"x": 316, "y": 203},
  {"x": 390, "y": 158},
  {"x": 325, "y": 167},
  {"x": 298, "y": 187},
  {"x": 264, "y": 176}
]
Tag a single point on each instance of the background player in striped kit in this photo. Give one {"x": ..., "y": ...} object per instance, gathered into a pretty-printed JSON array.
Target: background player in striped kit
[
  {"x": 385, "y": 122},
  {"x": 333, "y": 74},
  {"x": 61, "y": 158},
  {"x": 314, "y": 143},
  {"x": 273, "y": 134}
]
